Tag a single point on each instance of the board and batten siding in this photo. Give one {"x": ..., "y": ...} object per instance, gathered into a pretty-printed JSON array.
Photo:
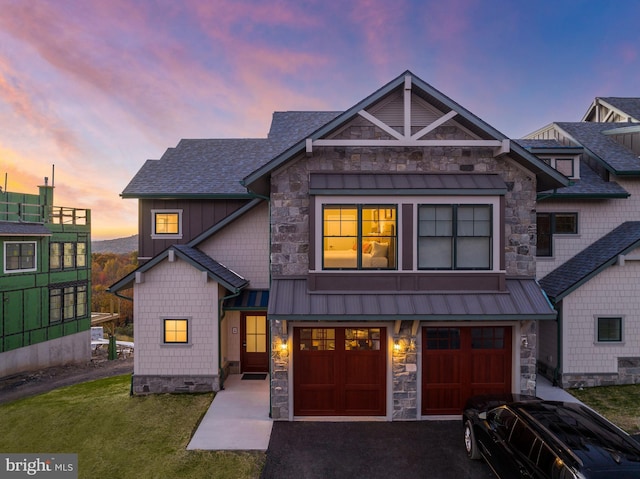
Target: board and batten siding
[{"x": 197, "y": 217}]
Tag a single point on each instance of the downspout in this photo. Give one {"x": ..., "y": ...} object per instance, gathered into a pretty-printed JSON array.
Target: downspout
[
  {"x": 558, "y": 368},
  {"x": 221, "y": 314},
  {"x": 121, "y": 296}
]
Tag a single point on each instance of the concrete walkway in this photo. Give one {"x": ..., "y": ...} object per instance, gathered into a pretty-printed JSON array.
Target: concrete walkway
[
  {"x": 546, "y": 390},
  {"x": 238, "y": 418}
]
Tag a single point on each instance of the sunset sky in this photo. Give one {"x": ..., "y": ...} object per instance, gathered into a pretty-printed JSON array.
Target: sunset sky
[{"x": 97, "y": 87}]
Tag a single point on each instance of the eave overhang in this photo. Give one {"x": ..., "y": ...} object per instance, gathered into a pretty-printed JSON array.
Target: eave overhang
[
  {"x": 585, "y": 196},
  {"x": 188, "y": 196},
  {"x": 178, "y": 250},
  {"x": 522, "y": 300}
]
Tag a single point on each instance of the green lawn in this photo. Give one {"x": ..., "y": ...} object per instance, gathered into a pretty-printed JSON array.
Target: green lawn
[
  {"x": 619, "y": 404},
  {"x": 116, "y": 435}
]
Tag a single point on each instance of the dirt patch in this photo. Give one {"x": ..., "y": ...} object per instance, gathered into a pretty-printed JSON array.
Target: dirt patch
[{"x": 28, "y": 384}]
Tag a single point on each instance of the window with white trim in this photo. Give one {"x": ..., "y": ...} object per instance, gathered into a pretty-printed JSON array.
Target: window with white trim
[
  {"x": 20, "y": 256},
  {"x": 359, "y": 236},
  {"x": 455, "y": 237},
  {"x": 166, "y": 224}
]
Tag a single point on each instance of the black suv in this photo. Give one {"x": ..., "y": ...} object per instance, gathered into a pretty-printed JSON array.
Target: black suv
[{"x": 526, "y": 437}]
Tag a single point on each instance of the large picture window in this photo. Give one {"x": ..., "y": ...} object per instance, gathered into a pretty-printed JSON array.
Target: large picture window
[
  {"x": 359, "y": 236},
  {"x": 549, "y": 224},
  {"x": 20, "y": 257},
  {"x": 454, "y": 237}
]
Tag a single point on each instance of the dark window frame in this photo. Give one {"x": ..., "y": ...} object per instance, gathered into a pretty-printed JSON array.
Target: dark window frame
[
  {"x": 609, "y": 333},
  {"x": 455, "y": 236},
  {"x": 67, "y": 259},
  {"x": 166, "y": 340},
  {"x": 553, "y": 231},
  {"x": 155, "y": 213},
  {"x": 68, "y": 302},
  {"x": 385, "y": 212}
]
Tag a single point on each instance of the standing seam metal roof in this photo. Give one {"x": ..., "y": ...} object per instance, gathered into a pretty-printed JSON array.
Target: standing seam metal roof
[{"x": 523, "y": 299}]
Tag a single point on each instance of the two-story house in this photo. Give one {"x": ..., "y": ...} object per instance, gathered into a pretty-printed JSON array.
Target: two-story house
[
  {"x": 588, "y": 238},
  {"x": 45, "y": 282},
  {"x": 395, "y": 243}
]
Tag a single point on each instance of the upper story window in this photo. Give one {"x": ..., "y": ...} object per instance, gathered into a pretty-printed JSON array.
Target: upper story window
[
  {"x": 568, "y": 166},
  {"x": 20, "y": 256},
  {"x": 166, "y": 224},
  {"x": 359, "y": 236},
  {"x": 550, "y": 224},
  {"x": 67, "y": 255},
  {"x": 455, "y": 237}
]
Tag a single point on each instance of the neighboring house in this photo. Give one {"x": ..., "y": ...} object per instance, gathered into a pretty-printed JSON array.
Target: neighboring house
[
  {"x": 587, "y": 256},
  {"x": 377, "y": 262},
  {"x": 45, "y": 285}
]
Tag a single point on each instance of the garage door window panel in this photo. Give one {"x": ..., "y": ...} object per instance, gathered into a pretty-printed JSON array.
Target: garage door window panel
[{"x": 339, "y": 371}]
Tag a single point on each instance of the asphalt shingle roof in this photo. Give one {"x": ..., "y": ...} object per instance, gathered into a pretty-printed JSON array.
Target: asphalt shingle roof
[
  {"x": 590, "y": 261},
  {"x": 212, "y": 266},
  {"x": 612, "y": 153},
  {"x": 8, "y": 228},
  {"x": 589, "y": 185},
  {"x": 216, "y": 166},
  {"x": 631, "y": 106}
]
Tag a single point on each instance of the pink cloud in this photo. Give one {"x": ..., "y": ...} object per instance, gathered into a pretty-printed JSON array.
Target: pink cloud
[{"x": 33, "y": 108}]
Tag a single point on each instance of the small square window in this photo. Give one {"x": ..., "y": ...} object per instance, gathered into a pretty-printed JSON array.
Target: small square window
[
  {"x": 176, "y": 331},
  {"x": 609, "y": 330},
  {"x": 166, "y": 224}
]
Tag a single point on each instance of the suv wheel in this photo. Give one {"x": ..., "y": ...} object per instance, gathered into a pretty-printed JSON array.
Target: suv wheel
[{"x": 470, "y": 444}]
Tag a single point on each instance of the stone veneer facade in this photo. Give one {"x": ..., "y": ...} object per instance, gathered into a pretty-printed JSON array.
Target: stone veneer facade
[{"x": 290, "y": 242}]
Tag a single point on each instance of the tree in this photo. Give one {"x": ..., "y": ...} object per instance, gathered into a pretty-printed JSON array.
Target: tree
[{"x": 107, "y": 269}]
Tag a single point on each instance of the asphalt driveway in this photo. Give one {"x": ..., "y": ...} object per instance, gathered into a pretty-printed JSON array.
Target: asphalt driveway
[{"x": 327, "y": 450}]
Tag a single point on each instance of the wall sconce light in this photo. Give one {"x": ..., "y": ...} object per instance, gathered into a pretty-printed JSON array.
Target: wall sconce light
[
  {"x": 283, "y": 346},
  {"x": 396, "y": 346},
  {"x": 524, "y": 341}
]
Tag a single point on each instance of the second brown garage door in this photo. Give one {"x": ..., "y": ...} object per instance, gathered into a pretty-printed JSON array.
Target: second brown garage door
[
  {"x": 339, "y": 371},
  {"x": 461, "y": 362}
]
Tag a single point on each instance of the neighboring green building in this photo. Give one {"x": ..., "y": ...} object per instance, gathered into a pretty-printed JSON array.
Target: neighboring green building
[{"x": 45, "y": 282}]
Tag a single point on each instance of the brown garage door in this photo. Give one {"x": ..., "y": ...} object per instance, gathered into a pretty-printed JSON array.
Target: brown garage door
[
  {"x": 339, "y": 371},
  {"x": 461, "y": 362}
]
